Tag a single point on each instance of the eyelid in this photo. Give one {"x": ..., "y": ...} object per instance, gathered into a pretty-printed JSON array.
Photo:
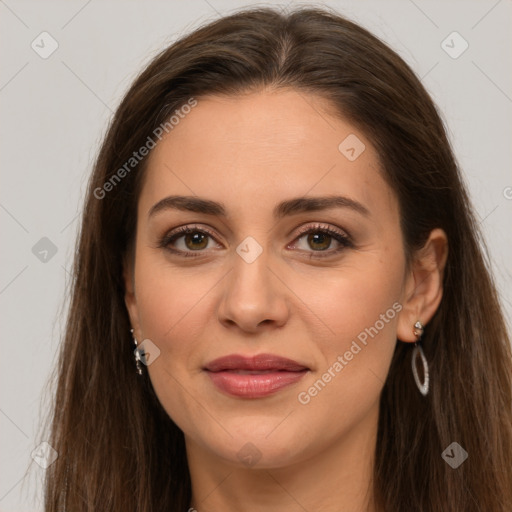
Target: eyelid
[
  {"x": 308, "y": 228},
  {"x": 187, "y": 228}
]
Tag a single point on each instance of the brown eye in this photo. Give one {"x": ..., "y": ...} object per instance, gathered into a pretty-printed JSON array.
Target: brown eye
[
  {"x": 196, "y": 240},
  {"x": 187, "y": 240},
  {"x": 319, "y": 241}
]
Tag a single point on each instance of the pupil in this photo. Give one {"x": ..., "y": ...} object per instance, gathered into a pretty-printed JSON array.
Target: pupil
[
  {"x": 320, "y": 238},
  {"x": 194, "y": 238}
]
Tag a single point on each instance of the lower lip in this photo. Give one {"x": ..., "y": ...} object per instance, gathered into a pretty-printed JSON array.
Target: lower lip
[{"x": 255, "y": 385}]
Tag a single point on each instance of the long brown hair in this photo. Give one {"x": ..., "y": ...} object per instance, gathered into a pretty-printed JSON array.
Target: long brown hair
[{"x": 119, "y": 450}]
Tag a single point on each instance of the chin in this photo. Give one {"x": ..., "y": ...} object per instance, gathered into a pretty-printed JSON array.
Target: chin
[{"x": 260, "y": 445}]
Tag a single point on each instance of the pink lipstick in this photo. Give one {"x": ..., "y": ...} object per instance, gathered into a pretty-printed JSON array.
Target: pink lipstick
[{"x": 254, "y": 377}]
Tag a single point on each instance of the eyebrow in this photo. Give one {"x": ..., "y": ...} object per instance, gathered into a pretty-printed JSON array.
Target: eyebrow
[{"x": 286, "y": 208}]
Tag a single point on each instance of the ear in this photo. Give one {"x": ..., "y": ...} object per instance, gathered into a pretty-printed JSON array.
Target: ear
[
  {"x": 423, "y": 288},
  {"x": 129, "y": 294}
]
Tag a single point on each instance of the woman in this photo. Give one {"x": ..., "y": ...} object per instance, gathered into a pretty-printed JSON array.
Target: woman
[{"x": 280, "y": 301}]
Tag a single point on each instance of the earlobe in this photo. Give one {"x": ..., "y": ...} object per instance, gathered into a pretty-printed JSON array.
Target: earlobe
[{"x": 423, "y": 289}]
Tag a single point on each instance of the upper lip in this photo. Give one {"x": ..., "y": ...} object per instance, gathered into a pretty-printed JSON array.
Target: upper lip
[{"x": 264, "y": 362}]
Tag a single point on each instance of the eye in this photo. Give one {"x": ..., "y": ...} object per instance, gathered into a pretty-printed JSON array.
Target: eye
[
  {"x": 187, "y": 239},
  {"x": 317, "y": 240},
  {"x": 321, "y": 239}
]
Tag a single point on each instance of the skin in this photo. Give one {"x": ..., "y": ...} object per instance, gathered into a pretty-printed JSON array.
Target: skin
[{"x": 251, "y": 152}]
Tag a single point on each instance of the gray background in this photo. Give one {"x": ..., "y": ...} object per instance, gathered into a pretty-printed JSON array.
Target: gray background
[{"x": 55, "y": 111}]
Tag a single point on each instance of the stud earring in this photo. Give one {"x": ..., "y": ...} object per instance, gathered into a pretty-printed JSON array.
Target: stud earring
[
  {"x": 137, "y": 354},
  {"x": 423, "y": 387}
]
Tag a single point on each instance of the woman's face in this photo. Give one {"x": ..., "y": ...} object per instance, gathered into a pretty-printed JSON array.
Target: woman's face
[{"x": 270, "y": 268}]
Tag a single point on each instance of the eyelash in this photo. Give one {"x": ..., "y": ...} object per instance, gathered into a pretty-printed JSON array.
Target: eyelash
[{"x": 343, "y": 239}]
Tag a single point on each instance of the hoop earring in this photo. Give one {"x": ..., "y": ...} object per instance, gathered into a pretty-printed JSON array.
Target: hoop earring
[
  {"x": 137, "y": 355},
  {"x": 422, "y": 386}
]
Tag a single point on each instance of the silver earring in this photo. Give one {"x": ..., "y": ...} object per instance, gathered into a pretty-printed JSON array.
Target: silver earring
[
  {"x": 422, "y": 386},
  {"x": 137, "y": 354}
]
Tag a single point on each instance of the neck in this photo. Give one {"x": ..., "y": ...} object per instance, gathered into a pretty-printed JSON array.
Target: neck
[{"x": 336, "y": 479}]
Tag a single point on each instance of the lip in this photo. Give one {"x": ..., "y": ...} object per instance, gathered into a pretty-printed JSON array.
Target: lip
[{"x": 254, "y": 377}]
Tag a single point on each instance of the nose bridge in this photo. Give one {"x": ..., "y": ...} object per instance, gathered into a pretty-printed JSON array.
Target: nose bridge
[
  {"x": 251, "y": 270},
  {"x": 253, "y": 295}
]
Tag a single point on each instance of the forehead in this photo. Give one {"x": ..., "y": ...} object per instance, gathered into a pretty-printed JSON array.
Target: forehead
[{"x": 258, "y": 148}]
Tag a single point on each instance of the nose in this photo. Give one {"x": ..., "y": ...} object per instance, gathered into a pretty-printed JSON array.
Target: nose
[{"x": 254, "y": 298}]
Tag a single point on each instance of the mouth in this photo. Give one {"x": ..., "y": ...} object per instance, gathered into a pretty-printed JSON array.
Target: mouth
[{"x": 254, "y": 377}]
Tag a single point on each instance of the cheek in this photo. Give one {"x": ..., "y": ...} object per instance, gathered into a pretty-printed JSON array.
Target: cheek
[
  {"x": 360, "y": 305},
  {"x": 361, "y": 308},
  {"x": 171, "y": 305},
  {"x": 364, "y": 307},
  {"x": 358, "y": 297},
  {"x": 167, "y": 300}
]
